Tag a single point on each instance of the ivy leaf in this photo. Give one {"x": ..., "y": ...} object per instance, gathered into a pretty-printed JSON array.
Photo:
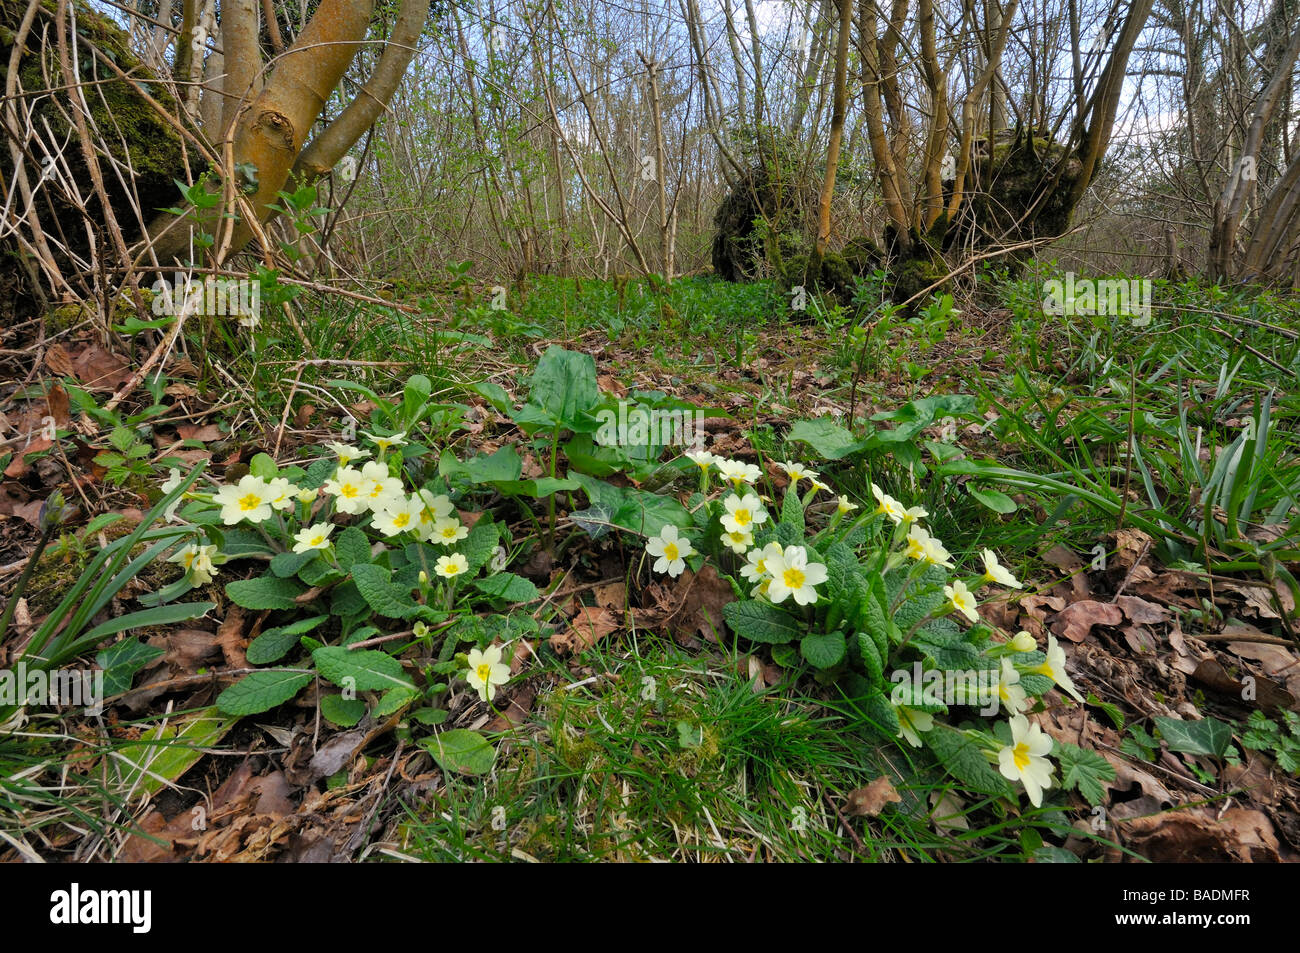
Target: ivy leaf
[
  {"x": 1084, "y": 771},
  {"x": 262, "y": 691},
  {"x": 1207, "y": 736},
  {"x": 761, "y": 622},
  {"x": 121, "y": 661}
]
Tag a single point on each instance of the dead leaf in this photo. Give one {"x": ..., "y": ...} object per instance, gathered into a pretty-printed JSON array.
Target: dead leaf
[
  {"x": 521, "y": 703},
  {"x": 230, "y": 638},
  {"x": 1076, "y": 621},
  {"x": 19, "y": 466},
  {"x": 869, "y": 801},
  {"x": 204, "y": 433},
  {"x": 100, "y": 369},
  {"x": 1200, "y": 835},
  {"x": 1142, "y": 612},
  {"x": 589, "y": 626},
  {"x": 700, "y": 611},
  {"x": 56, "y": 399},
  {"x": 58, "y": 360},
  {"x": 187, "y": 650}
]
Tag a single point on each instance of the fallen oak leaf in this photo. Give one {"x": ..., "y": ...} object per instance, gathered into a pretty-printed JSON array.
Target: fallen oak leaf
[{"x": 589, "y": 626}]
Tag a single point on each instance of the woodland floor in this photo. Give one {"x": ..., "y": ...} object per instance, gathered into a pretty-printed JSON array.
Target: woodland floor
[{"x": 586, "y": 768}]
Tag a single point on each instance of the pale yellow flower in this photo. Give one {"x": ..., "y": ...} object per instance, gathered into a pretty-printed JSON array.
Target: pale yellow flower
[
  {"x": 486, "y": 671},
  {"x": 1025, "y": 759}
]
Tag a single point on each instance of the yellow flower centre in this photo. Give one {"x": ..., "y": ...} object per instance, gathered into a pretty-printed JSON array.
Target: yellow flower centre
[
  {"x": 742, "y": 517},
  {"x": 349, "y": 490},
  {"x": 484, "y": 672},
  {"x": 188, "y": 559},
  {"x": 672, "y": 552},
  {"x": 449, "y": 532},
  {"x": 401, "y": 519},
  {"x": 317, "y": 540},
  {"x": 1046, "y": 669},
  {"x": 760, "y": 566},
  {"x": 1020, "y": 754},
  {"x": 249, "y": 501},
  {"x": 793, "y": 578}
]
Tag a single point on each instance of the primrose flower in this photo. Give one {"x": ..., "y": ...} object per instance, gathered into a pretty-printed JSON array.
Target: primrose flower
[
  {"x": 1054, "y": 668},
  {"x": 486, "y": 671},
  {"x": 911, "y": 722},
  {"x": 887, "y": 505},
  {"x": 308, "y": 495},
  {"x": 448, "y": 531},
  {"x": 845, "y": 506},
  {"x": 914, "y": 513},
  {"x": 737, "y": 471},
  {"x": 383, "y": 443},
  {"x": 249, "y": 499},
  {"x": 1010, "y": 694},
  {"x": 921, "y": 545},
  {"x": 400, "y": 515},
  {"x": 433, "y": 508},
  {"x": 316, "y": 536},
  {"x": 701, "y": 458},
  {"x": 345, "y": 453},
  {"x": 349, "y": 485},
  {"x": 743, "y": 514},
  {"x": 738, "y": 540},
  {"x": 797, "y": 472},
  {"x": 280, "y": 493},
  {"x": 380, "y": 488},
  {"x": 671, "y": 550},
  {"x": 449, "y": 567},
  {"x": 197, "y": 562},
  {"x": 961, "y": 599},
  {"x": 172, "y": 482},
  {"x": 994, "y": 571},
  {"x": 793, "y": 575},
  {"x": 1024, "y": 642},
  {"x": 1025, "y": 759},
  {"x": 756, "y": 570}
]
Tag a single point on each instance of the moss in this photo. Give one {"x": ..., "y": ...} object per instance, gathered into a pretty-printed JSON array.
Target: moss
[
  {"x": 1015, "y": 198},
  {"x": 119, "y": 112},
  {"x": 743, "y": 251},
  {"x": 66, "y": 559}
]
